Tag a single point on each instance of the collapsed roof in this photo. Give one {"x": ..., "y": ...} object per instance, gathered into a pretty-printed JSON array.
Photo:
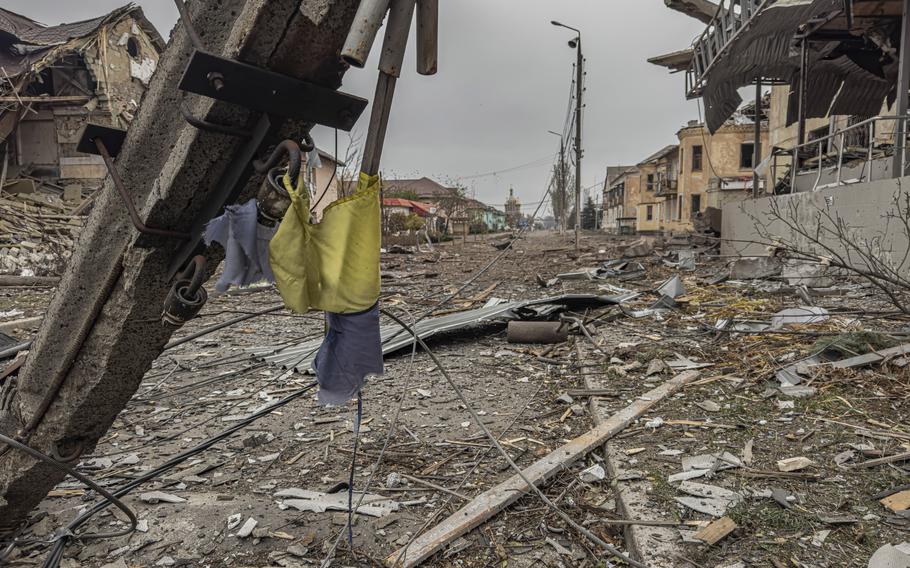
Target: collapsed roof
[
  {"x": 27, "y": 45},
  {"x": 851, "y": 52}
]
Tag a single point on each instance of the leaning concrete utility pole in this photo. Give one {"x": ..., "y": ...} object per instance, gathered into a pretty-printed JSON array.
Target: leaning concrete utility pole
[{"x": 104, "y": 326}]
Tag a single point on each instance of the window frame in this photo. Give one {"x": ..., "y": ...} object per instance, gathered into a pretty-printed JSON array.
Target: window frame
[
  {"x": 743, "y": 156},
  {"x": 697, "y": 154}
]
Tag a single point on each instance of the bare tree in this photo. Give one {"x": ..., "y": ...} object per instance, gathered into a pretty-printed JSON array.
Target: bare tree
[{"x": 820, "y": 234}]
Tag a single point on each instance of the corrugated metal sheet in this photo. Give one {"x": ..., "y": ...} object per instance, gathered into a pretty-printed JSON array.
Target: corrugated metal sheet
[
  {"x": 763, "y": 49},
  {"x": 300, "y": 357}
]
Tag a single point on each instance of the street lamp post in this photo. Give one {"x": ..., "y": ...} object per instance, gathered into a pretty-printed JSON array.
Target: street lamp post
[
  {"x": 579, "y": 86},
  {"x": 561, "y": 180}
]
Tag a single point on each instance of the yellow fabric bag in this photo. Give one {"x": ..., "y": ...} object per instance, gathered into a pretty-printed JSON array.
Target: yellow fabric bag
[{"x": 333, "y": 265}]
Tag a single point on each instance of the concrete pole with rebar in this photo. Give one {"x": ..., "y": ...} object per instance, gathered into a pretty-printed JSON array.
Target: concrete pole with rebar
[{"x": 101, "y": 331}]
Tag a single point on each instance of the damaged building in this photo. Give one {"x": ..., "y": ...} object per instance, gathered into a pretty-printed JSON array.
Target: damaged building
[
  {"x": 838, "y": 74},
  {"x": 55, "y": 79}
]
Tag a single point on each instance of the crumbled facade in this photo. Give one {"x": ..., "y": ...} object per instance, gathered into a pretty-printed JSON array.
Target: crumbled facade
[{"x": 61, "y": 77}]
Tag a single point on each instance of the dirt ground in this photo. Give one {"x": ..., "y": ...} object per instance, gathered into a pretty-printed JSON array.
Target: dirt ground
[{"x": 825, "y": 514}]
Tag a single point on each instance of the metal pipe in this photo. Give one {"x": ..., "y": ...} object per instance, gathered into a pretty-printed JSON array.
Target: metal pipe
[
  {"x": 803, "y": 95},
  {"x": 401, "y": 13},
  {"x": 537, "y": 332},
  {"x": 794, "y": 166},
  {"x": 840, "y": 156},
  {"x": 818, "y": 176},
  {"x": 367, "y": 22},
  {"x": 901, "y": 107},
  {"x": 871, "y": 131},
  {"x": 427, "y": 37},
  {"x": 756, "y": 147},
  {"x": 127, "y": 200}
]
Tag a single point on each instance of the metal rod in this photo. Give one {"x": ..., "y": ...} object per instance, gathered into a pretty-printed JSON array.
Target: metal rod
[
  {"x": 401, "y": 12},
  {"x": 127, "y": 200},
  {"x": 188, "y": 26},
  {"x": 427, "y": 37},
  {"x": 803, "y": 95},
  {"x": 871, "y": 131},
  {"x": 840, "y": 156},
  {"x": 285, "y": 147},
  {"x": 367, "y": 22},
  {"x": 818, "y": 176},
  {"x": 903, "y": 85},
  {"x": 756, "y": 147}
]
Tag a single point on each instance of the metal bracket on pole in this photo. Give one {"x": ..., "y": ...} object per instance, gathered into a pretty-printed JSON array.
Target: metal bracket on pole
[{"x": 267, "y": 91}]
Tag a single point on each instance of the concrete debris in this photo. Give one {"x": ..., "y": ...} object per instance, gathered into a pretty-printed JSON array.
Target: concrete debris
[
  {"x": 753, "y": 268},
  {"x": 160, "y": 497},
  {"x": 794, "y": 464},
  {"x": 638, "y": 249},
  {"x": 684, "y": 363},
  {"x": 891, "y": 556},
  {"x": 708, "y": 499},
  {"x": 247, "y": 528},
  {"x": 594, "y": 473},
  {"x": 802, "y": 315},
  {"x": 810, "y": 275},
  {"x": 319, "y": 502},
  {"x": 656, "y": 367},
  {"x": 672, "y": 288}
]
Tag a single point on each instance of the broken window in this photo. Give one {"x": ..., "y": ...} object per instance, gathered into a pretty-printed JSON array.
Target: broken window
[
  {"x": 696, "y": 158},
  {"x": 696, "y": 203},
  {"x": 650, "y": 182},
  {"x": 746, "y": 151},
  {"x": 132, "y": 47}
]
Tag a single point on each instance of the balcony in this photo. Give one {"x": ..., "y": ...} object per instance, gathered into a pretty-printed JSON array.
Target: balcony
[{"x": 666, "y": 187}]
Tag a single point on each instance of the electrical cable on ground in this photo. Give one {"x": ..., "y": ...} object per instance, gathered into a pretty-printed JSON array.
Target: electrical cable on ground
[
  {"x": 110, "y": 499},
  {"x": 56, "y": 554},
  {"x": 553, "y": 506}
]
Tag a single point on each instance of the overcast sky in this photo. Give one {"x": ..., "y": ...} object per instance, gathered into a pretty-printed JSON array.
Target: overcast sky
[{"x": 504, "y": 80}]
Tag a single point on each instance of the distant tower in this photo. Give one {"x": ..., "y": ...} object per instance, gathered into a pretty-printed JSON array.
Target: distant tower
[{"x": 513, "y": 209}]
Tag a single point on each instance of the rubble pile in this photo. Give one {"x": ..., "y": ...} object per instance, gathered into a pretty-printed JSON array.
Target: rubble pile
[
  {"x": 751, "y": 421},
  {"x": 38, "y": 232}
]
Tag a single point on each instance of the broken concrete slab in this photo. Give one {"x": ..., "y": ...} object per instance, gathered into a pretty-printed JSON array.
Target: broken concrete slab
[
  {"x": 753, "y": 268},
  {"x": 319, "y": 502},
  {"x": 708, "y": 499},
  {"x": 808, "y": 274},
  {"x": 891, "y": 556},
  {"x": 798, "y": 316}
]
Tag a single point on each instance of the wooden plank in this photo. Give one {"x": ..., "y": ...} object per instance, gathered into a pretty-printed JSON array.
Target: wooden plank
[
  {"x": 888, "y": 459},
  {"x": 897, "y": 502},
  {"x": 873, "y": 357},
  {"x": 716, "y": 531},
  {"x": 491, "y": 502}
]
